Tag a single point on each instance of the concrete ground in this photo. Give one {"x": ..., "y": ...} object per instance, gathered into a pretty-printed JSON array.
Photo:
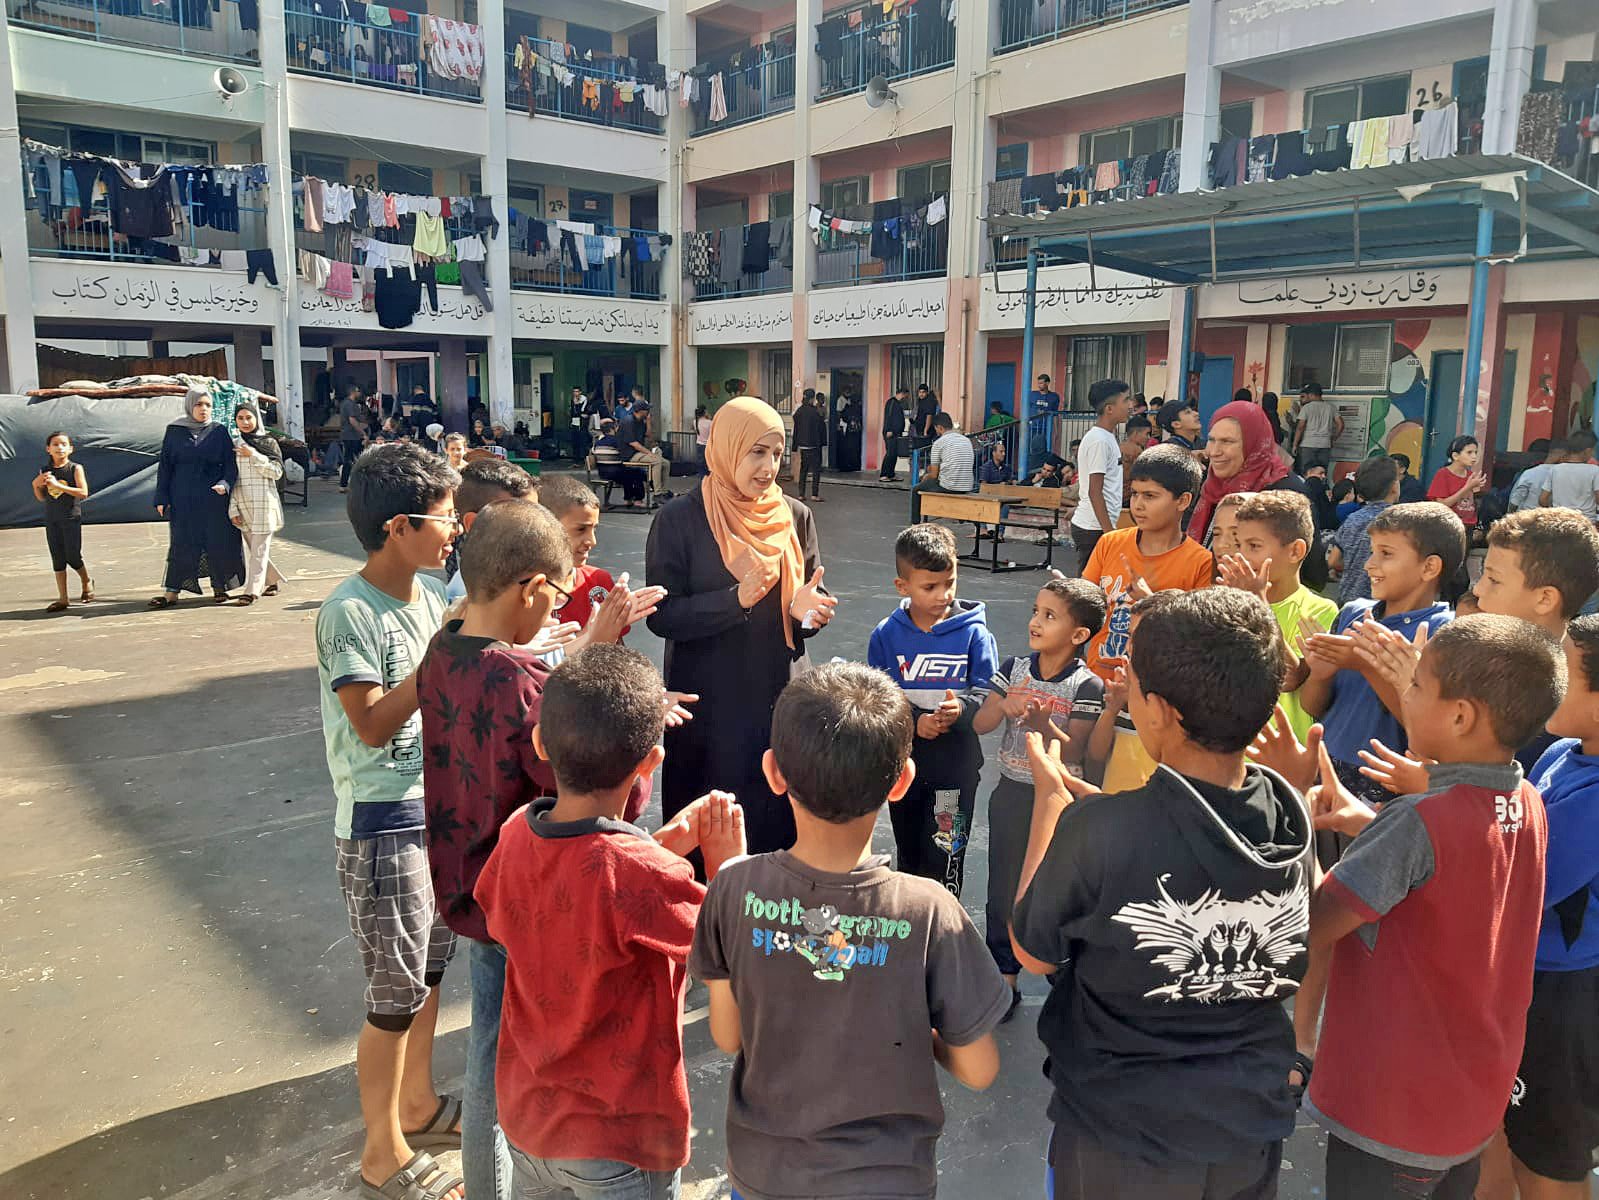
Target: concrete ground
[{"x": 178, "y": 990}]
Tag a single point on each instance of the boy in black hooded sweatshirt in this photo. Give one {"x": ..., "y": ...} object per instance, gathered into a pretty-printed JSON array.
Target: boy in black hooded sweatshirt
[{"x": 1181, "y": 912}]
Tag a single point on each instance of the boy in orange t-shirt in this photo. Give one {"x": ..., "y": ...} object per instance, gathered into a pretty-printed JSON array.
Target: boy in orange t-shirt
[{"x": 1161, "y": 487}]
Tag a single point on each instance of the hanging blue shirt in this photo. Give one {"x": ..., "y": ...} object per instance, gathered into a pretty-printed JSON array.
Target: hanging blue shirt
[{"x": 1568, "y": 781}]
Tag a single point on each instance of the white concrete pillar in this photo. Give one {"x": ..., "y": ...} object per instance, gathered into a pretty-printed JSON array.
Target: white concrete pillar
[
  {"x": 675, "y": 43},
  {"x": 22, "y": 359},
  {"x": 1510, "y": 52},
  {"x": 1201, "y": 99},
  {"x": 497, "y": 371},
  {"x": 807, "y": 187},
  {"x": 286, "y": 373}
]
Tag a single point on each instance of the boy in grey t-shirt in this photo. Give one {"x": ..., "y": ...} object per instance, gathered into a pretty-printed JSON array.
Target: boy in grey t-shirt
[{"x": 804, "y": 946}]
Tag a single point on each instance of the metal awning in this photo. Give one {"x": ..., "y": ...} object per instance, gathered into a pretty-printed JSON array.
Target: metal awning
[{"x": 1403, "y": 215}]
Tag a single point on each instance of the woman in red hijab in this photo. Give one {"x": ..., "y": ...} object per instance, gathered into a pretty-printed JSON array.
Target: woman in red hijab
[{"x": 1243, "y": 458}]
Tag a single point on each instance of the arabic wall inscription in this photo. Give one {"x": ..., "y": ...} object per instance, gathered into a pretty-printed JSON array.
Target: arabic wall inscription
[
  {"x": 592, "y": 319},
  {"x": 115, "y": 291},
  {"x": 1065, "y": 299},
  {"x": 881, "y": 310},
  {"x": 1336, "y": 293},
  {"x": 736, "y": 322},
  {"x": 456, "y": 314}
]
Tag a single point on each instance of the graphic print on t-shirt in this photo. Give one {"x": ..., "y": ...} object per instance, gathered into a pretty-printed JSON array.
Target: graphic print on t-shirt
[
  {"x": 1218, "y": 949},
  {"x": 832, "y": 942}
]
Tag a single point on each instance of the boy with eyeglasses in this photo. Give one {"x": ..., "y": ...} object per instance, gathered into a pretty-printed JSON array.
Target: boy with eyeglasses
[{"x": 371, "y": 633}]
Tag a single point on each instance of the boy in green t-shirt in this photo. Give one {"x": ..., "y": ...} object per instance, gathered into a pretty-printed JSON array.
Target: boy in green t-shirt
[
  {"x": 371, "y": 633},
  {"x": 1275, "y": 531}
]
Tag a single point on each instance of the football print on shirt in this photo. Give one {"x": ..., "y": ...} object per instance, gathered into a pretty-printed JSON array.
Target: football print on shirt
[{"x": 1217, "y": 949}]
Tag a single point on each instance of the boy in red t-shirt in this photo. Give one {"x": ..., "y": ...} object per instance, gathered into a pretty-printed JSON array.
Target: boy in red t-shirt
[
  {"x": 596, "y": 918},
  {"x": 1423, "y": 935},
  {"x": 577, "y": 508}
]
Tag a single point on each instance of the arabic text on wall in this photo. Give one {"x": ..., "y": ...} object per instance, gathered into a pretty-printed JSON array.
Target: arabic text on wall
[
  {"x": 149, "y": 294},
  {"x": 1329, "y": 291}
]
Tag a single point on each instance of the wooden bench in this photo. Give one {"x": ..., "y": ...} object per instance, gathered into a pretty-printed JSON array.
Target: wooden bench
[
  {"x": 983, "y": 509},
  {"x": 591, "y": 468}
]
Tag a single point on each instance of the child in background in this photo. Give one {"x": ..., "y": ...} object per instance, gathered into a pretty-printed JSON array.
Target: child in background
[
  {"x": 483, "y": 482},
  {"x": 1415, "y": 548},
  {"x": 800, "y": 946},
  {"x": 1052, "y": 684},
  {"x": 1275, "y": 531},
  {"x": 597, "y": 918},
  {"x": 455, "y": 450},
  {"x": 1431, "y": 919},
  {"x": 940, "y": 652},
  {"x": 1377, "y": 487},
  {"x": 1552, "y": 1123},
  {"x": 1458, "y": 482},
  {"x": 1161, "y": 488},
  {"x": 371, "y": 632},
  {"x": 1224, "y": 525},
  {"x": 1180, "y": 912},
  {"x": 62, "y": 487}
]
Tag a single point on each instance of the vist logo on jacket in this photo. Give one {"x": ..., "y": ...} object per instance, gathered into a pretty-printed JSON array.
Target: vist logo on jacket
[{"x": 933, "y": 668}]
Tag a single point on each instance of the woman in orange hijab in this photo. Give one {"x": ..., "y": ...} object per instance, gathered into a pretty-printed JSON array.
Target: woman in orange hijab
[{"x": 743, "y": 580}]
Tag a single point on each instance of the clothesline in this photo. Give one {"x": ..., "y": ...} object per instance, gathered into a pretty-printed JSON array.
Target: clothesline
[{"x": 543, "y": 65}]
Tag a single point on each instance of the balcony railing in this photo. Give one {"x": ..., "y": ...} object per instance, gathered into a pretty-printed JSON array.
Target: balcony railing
[
  {"x": 616, "y": 99},
  {"x": 908, "y": 43},
  {"x": 1030, "y": 22},
  {"x": 751, "y": 92},
  {"x": 74, "y": 230},
  {"x": 386, "y": 56},
  {"x": 186, "y": 26},
  {"x": 849, "y": 260},
  {"x": 774, "y": 280},
  {"x": 623, "y": 276}
]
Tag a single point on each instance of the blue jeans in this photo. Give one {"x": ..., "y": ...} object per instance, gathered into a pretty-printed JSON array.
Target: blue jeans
[
  {"x": 485, "y": 1161},
  {"x": 589, "y": 1179}
]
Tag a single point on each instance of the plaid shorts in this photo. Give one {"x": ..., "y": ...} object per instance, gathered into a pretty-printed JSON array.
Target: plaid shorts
[{"x": 389, "y": 894}]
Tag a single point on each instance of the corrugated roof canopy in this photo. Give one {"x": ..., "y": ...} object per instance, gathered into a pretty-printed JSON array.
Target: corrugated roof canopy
[{"x": 1407, "y": 214}]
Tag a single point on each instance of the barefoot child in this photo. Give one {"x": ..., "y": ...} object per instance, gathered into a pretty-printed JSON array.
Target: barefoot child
[{"x": 62, "y": 487}]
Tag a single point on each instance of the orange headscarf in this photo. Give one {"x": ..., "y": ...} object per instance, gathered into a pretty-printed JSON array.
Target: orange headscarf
[{"x": 764, "y": 526}]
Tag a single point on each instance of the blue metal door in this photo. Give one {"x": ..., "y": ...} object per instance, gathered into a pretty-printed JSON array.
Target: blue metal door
[
  {"x": 1000, "y": 387},
  {"x": 1443, "y": 410},
  {"x": 1215, "y": 386}
]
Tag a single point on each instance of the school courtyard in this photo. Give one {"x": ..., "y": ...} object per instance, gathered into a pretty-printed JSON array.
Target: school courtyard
[{"x": 179, "y": 995}]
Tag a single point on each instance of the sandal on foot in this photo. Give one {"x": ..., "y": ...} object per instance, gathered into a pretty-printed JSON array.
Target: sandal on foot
[
  {"x": 419, "y": 1179},
  {"x": 270, "y": 590},
  {"x": 443, "y": 1132},
  {"x": 220, "y": 597},
  {"x": 246, "y": 600},
  {"x": 88, "y": 592},
  {"x": 57, "y": 606},
  {"x": 162, "y": 602}
]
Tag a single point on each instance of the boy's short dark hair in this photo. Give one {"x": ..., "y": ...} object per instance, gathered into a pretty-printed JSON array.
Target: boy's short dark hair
[
  {"x": 393, "y": 478},
  {"x": 510, "y": 542},
  {"x": 841, "y": 734},
  {"x": 924, "y": 547},
  {"x": 1139, "y": 421},
  {"x": 1584, "y": 634},
  {"x": 454, "y": 437},
  {"x": 603, "y": 710},
  {"x": 942, "y": 420},
  {"x": 58, "y": 433},
  {"x": 562, "y": 493},
  {"x": 1172, "y": 467},
  {"x": 1216, "y": 657},
  {"x": 1511, "y": 667},
  {"x": 1431, "y": 528},
  {"x": 1557, "y": 547},
  {"x": 1375, "y": 478},
  {"x": 488, "y": 480},
  {"x": 1084, "y": 600},
  {"x": 1104, "y": 391},
  {"x": 1285, "y": 513},
  {"x": 1402, "y": 461}
]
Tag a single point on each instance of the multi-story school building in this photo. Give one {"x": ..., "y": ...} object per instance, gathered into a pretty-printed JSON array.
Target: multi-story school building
[{"x": 692, "y": 194}]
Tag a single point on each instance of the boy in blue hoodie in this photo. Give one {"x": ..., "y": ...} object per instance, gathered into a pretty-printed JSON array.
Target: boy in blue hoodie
[
  {"x": 1552, "y": 1122},
  {"x": 940, "y": 652}
]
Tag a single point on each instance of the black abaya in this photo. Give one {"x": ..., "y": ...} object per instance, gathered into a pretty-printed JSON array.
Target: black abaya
[
  {"x": 201, "y": 538},
  {"x": 737, "y": 664}
]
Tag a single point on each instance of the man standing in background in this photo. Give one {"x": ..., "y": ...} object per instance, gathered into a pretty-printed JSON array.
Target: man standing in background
[
  {"x": 1319, "y": 426},
  {"x": 810, "y": 435},
  {"x": 893, "y": 430}
]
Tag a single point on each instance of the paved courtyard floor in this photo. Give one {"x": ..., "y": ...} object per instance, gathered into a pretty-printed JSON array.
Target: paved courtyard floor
[{"x": 179, "y": 994}]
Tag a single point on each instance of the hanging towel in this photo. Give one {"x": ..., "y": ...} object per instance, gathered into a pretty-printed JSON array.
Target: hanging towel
[
  {"x": 340, "y": 283},
  {"x": 455, "y": 49},
  {"x": 1437, "y": 133},
  {"x": 718, "y": 99},
  {"x": 315, "y": 200},
  {"x": 1400, "y": 131},
  {"x": 938, "y": 210},
  {"x": 470, "y": 249}
]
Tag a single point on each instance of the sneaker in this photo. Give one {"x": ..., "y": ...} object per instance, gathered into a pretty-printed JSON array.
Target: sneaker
[{"x": 1015, "y": 1003}]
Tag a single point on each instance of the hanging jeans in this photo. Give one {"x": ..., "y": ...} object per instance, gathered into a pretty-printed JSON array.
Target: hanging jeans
[{"x": 427, "y": 276}]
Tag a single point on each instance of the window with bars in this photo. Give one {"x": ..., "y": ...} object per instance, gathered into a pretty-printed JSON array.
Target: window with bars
[
  {"x": 780, "y": 380},
  {"x": 845, "y": 193},
  {"x": 916, "y": 363},
  {"x": 1339, "y": 357},
  {"x": 1116, "y": 356}
]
